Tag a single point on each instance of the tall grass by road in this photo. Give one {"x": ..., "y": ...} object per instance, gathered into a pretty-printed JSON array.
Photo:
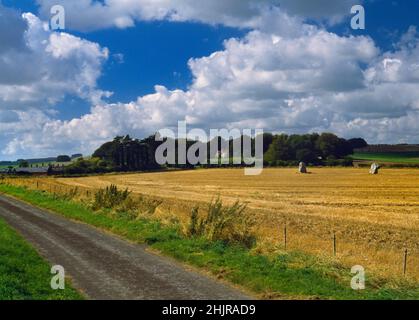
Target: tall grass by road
[{"x": 285, "y": 275}]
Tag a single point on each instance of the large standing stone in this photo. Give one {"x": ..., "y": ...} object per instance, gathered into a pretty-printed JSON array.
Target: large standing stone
[
  {"x": 374, "y": 168},
  {"x": 302, "y": 168}
]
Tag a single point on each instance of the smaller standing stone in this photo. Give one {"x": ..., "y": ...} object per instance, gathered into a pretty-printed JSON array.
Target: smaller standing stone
[
  {"x": 302, "y": 168},
  {"x": 374, "y": 168}
]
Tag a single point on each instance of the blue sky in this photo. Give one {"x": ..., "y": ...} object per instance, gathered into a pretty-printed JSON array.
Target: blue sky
[
  {"x": 340, "y": 83},
  {"x": 144, "y": 48},
  {"x": 386, "y": 19}
]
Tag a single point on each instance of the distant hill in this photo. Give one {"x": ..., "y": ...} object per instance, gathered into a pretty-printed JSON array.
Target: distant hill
[
  {"x": 40, "y": 160},
  {"x": 8, "y": 163},
  {"x": 37, "y": 160},
  {"x": 30, "y": 161}
]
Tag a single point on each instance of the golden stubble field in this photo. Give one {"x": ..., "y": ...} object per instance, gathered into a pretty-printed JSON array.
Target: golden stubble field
[{"x": 375, "y": 218}]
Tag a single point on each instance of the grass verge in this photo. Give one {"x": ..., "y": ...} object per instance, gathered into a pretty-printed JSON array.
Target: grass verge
[
  {"x": 24, "y": 275},
  {"x": 284, "y": 275}
]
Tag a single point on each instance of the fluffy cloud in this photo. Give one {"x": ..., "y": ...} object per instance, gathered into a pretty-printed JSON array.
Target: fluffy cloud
[
  {"x": 316, "y": 81},
  {"x": 326, "y": 10},
  {"x": 39, "y": 67},
  {"x": 36, "y": 133},
  {"x": 90, "y": 15},
  {"x": 290, "y": 77}
]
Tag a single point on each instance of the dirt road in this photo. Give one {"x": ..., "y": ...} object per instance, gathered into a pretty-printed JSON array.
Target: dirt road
[{"x": 105, "y": 267}]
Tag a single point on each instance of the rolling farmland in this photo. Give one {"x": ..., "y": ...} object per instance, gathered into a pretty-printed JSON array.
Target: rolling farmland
[{"x": 374, "y": 218}]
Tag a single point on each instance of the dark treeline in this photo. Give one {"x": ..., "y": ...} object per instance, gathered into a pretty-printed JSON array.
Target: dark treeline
[
  {"x": 323, "y": 149},
  {"x": 125, "y": 154}
]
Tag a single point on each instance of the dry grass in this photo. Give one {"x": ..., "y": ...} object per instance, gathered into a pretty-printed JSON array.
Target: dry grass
[{"x": 374, "y": 217}]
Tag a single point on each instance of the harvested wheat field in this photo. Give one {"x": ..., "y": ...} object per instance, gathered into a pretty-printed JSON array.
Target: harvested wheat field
[{"x": 374, "y": 218}]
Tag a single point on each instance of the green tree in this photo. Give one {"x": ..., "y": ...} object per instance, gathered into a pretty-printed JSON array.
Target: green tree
[
  {"x": 279, "y": 149},
  {"x": 23, "y": 164},
  {"x": 357, "y": 143},
  {"x": 306, "y": 155},
  {"x": 63, "y": 158},
  {"x": 332, "y": 147},
  {"x": 268, "y": 138},
  {"x": 127, "y": 154}
]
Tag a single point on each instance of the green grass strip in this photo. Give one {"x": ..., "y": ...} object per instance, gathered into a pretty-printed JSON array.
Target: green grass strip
[
  {"x": 403, "y": 157},
  {"x": 24, "y": 275}
]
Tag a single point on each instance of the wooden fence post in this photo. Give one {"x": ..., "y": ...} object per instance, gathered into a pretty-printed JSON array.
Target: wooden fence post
[
  {"x": 405, "y": 262},
  {"x": 334, "y": 244},
  {"x": 285, "y": 237}
]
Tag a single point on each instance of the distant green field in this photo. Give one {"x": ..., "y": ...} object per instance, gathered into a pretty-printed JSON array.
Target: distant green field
[
  {"x": 46, "y": 164},
  {"x": 402, "y": 157}
]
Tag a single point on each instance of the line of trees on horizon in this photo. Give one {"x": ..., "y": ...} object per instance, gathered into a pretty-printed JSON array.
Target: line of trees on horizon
[
  {"x": 316, "y": 149},
  {"x": 124, "y": 154}
]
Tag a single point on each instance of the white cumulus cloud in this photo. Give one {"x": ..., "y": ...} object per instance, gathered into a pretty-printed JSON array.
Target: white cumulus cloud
[
  {"x": 92, "y": 15},
  {"x": 46, "y": 66},
  {"x": 290, "y": 77}
]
